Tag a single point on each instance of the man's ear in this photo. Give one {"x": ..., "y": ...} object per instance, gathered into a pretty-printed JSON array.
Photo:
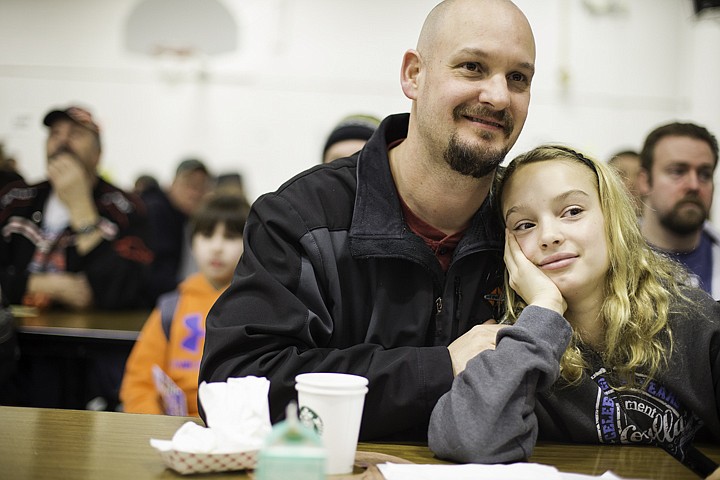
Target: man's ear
[
  {"x": 643, "y": 182},
  {"x": 412, "y": 66}
]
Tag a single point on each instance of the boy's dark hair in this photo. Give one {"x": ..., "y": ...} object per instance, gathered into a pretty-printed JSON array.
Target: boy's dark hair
[{"x": 229, "y": 209}]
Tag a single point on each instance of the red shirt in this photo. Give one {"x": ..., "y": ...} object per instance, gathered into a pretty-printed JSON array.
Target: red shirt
[{"x": 441, "y": 244}]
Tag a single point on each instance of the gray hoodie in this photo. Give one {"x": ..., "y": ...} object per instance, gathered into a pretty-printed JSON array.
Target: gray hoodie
[{"x": 509, "y": 397}]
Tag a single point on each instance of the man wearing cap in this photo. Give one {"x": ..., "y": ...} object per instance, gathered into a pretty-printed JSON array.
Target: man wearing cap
[
  {"x": 168, "y": 212},
  {"x": 73, "y": 240},
  {"x": 349, "y": 136}
]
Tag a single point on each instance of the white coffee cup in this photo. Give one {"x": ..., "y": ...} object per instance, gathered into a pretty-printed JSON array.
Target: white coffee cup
[{"x": 332, "y": 404}]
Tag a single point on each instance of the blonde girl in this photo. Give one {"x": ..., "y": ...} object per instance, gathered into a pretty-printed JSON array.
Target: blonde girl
[{"x": 605, "y": 345}]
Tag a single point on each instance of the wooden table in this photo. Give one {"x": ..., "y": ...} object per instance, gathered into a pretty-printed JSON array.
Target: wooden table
[
  {"x": 63, "y": 353},
  {"x": 94, "y": 326},
  {"x": 63, "y": 444}
]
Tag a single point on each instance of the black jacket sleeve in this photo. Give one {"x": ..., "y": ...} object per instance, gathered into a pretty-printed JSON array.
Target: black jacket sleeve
[
  {"x": 116, "y": 266},
  {"x": 277, "y": 320}
]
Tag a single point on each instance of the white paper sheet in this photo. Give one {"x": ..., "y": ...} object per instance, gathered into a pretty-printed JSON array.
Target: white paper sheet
[{"x": 513, "y": 471}]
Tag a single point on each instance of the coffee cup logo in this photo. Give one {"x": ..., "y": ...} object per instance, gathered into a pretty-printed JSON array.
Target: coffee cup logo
[{"x": 310, "y": 419}]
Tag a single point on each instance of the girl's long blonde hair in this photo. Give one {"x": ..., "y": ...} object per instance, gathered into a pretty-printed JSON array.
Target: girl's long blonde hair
[{"x": 638, "y": 287}]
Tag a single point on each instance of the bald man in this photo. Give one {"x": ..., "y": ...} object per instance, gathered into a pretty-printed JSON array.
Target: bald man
[{"x": 387, "y": 264}]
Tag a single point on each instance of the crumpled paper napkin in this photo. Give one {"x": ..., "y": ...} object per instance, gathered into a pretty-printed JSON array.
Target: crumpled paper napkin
[
  {"x": 237, "y": 414},
  {"x": 513, "y": 471}
]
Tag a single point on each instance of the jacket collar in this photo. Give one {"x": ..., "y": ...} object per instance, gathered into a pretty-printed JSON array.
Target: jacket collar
[{"x": 378, "y": 226}]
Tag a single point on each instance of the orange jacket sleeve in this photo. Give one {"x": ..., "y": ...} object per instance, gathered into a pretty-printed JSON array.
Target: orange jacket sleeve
[{"x": 137, "y": 392}]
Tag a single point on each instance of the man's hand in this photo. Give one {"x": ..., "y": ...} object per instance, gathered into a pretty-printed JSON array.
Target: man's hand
[
  {"x": 73, "y": 185},
  {"x": 69, "y": 289},
  {"x": 477, "y": 339},
  {"x": 715, "y": 475},
  {"x": 71, "y": 181}
]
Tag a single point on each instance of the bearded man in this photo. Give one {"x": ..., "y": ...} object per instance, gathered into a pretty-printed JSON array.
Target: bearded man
[{"x": 676, "y": 184}]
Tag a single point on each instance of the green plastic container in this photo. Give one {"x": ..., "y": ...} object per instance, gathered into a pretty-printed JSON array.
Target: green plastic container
[{"x": 291, "y": 451}]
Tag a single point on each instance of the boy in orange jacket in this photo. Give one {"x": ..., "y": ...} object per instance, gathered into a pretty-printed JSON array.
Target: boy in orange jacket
[{"x": 161, "y": 373}]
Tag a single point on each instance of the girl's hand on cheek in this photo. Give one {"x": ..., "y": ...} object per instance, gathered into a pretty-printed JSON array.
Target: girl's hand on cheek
[{"x": 528, "y": 280}]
